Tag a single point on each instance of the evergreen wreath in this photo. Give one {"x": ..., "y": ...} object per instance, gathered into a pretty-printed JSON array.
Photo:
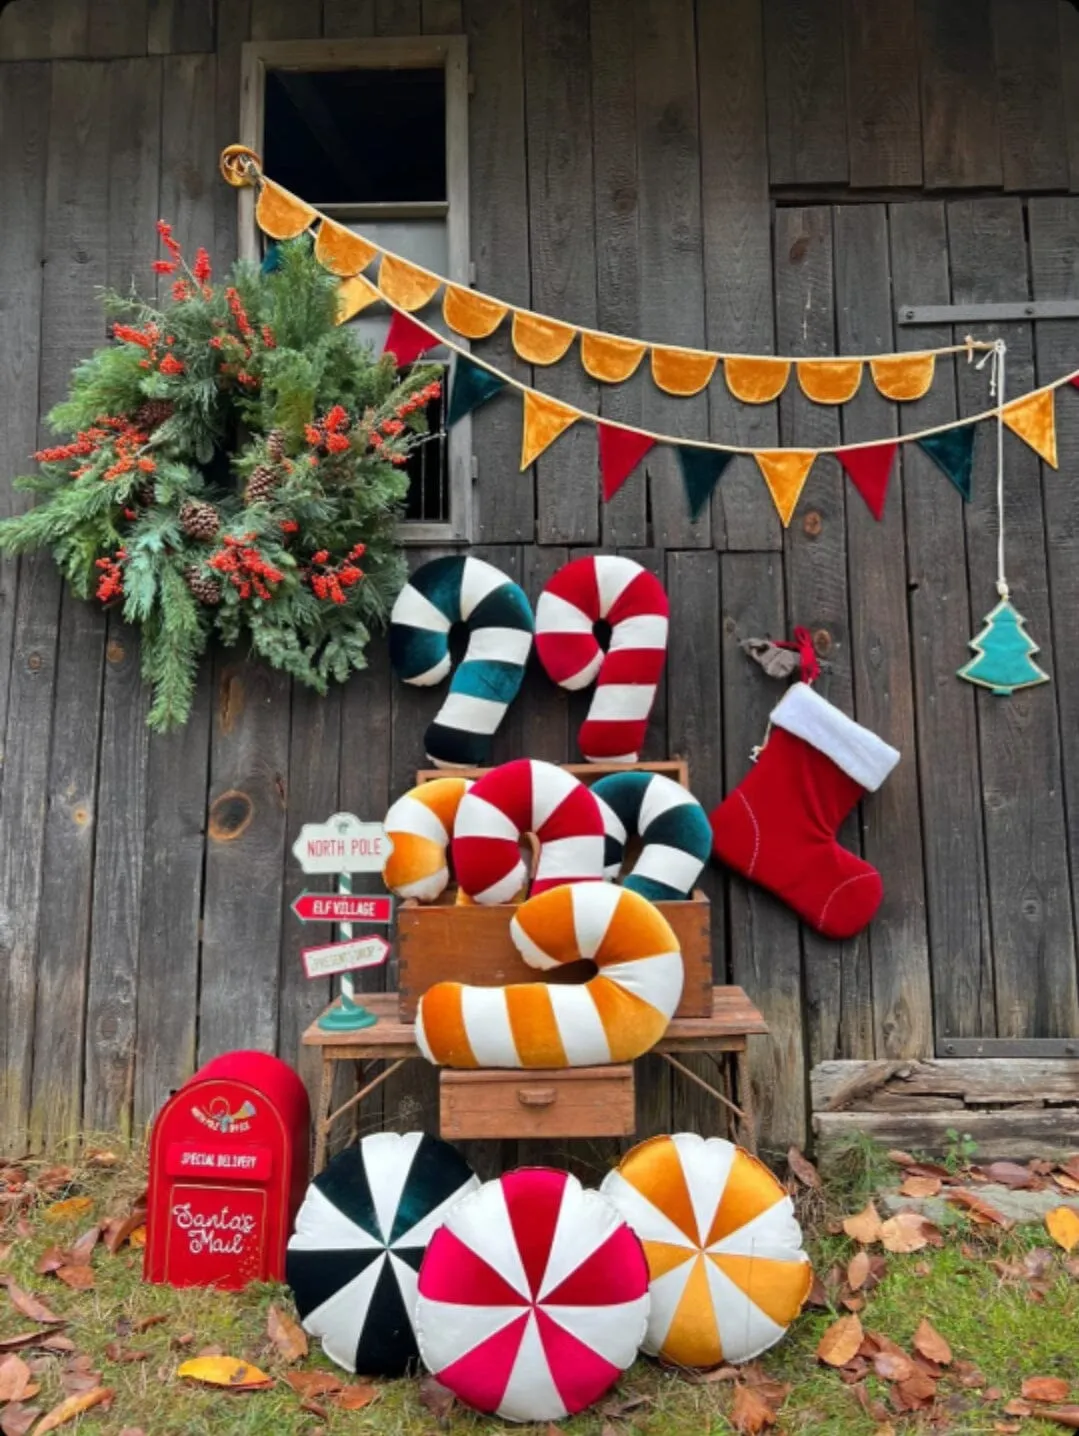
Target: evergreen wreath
[{"x": 237, "y": 469}]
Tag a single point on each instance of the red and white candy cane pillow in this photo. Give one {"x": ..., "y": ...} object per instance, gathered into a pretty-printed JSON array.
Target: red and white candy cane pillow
[
  {"x": 533, "y": 1297},
  {"x": 634, "y": 603},
  {"x": 526, "y": 796}
]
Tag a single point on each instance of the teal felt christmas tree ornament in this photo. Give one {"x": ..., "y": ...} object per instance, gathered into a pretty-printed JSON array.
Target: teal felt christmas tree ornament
[{"x": 1003, "y": 653}]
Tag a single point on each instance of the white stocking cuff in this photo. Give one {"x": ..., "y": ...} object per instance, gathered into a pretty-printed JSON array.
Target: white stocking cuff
[{"x": 861, "y": 754}]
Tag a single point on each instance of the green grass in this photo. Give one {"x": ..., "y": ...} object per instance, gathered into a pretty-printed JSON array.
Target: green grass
[{"x": 996, "y": 1326}]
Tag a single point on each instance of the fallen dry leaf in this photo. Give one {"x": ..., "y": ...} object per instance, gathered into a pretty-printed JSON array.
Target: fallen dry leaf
[
  {"x": 315, "y": 1408},
  {"x": 116, "y": 1233},
  {"x": 73, "y": 1406},
  {"x": 917, "y": 1390},
  {"x": 75, "y": 1383},
  {"x": 710, "y": 1378},
  {"x": 79, "y": 1278},
  {"x": 15, "y": 1378},
  {"x": 56, "y": 1342},
  {"x": 124, "y": 1355},
  {"x": 929, "y": 1342},
  {"x": 50, "y": 1260},
  {"x": 750, "y": 1412},
  {"x": 132, "y": 1431},
  {"x": 914, "y": 1186},
  {"x": 803, "y": 1169},
  {"x": 893, "y": 1366},
  {"x": 817, "y": 1294},
  {"x": 355, "y": 1398},
  {"x": 1018, "y": 1408},
  {"x": 288, "y": 1337},
  {"x": 1062, "y": 1224},
  {"x": 968, "y": 1375},
  {"x": 148, "y": 1321},
  {"x": 1065, "y": 1182},
  {"x": 853, "y": 1302},
  {"x": 840, "y": 1342},
  {"x": 17, "y": 1419},
  {"x": 6, "y": 1248},
  {"x": 138, "y": 1236},
  {"x": 436, "y": 1398},
  {"x": 1011, "y": 1175},
  {"x": 1063, "y": 1415},
  {"x": 68, "y": 1210},
  {"x": 619, "y": 1410},
  {"x": 30, "y": 1307},
  {"x": 905, "y": 1232},
  {"x": 97, "y": 1157},
  {"x": 81, "y": 1252},
  {"x": 858, "y": 1270},
  {"x": 1052, "y": 1389},
  {"x": 313, "y": 1383},
  {"x": 224, "y": 1371},
  {"x": 864, "y": 1226},
  {"x": 1008, "y": 1428},
  {"x": 24, "y": 1338},
  {"x": 902, "y": 1159},
  {"x": 980, "y": 1210}
]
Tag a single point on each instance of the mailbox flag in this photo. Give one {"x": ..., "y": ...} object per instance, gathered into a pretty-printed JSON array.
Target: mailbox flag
[{"x": 360, "y": 1236}]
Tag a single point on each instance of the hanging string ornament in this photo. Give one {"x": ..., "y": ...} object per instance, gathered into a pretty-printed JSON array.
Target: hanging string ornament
[{"x": 1003, "y": 651}]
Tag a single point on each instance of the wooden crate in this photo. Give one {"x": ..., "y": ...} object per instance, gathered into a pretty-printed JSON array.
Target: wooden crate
[
  {"x": 440, "y": 942},
  {"x": 569, "y": 1102}
]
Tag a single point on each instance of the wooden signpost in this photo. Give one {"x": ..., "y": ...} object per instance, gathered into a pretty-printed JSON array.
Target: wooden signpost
[{"x": 344, "y": 845}]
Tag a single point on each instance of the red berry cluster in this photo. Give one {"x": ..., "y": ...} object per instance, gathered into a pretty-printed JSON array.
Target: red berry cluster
[
  {"x": 149, "y": 338},
  {"x": 236, "y": 349},
  {"x": 334, "y": 579},
  {"x": 328, "y": 433},
  {"x": 245, "y": 567},
  {"x": 200, "y": 273},
  {"x": 127, "y": 439},
  {"x": 111, "y": 582},
  {"x": 393, "y": 427},
  {"x": 419, "y": 400}
]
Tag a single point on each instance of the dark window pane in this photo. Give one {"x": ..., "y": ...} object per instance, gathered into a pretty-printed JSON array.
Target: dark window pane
[
  {"x": 357, "y": 136},
  {"x": 428, "y": 468}
]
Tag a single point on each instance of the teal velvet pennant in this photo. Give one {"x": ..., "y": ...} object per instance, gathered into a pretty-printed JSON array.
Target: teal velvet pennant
[
  {"x": 473, "y": 385},
  {"x": 1003, "y": 651},
  {"x": 953, "y": 453},
  {"x": 701, "y": 472}
]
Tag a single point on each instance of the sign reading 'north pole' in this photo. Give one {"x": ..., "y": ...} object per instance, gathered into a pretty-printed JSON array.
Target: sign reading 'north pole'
[
  {"x": 337, "y": 957},
  {"x": 343, "y": 844},
  {"x": 343, "y": 907}
]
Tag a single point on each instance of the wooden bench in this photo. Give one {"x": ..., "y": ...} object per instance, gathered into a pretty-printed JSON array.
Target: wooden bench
[{"x": 573, "y": 1102}]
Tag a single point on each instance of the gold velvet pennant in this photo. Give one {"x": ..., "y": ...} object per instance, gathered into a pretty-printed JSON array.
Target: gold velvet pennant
[
  {"x": 539, "y": 340},
  {"x": 903, "y": 376},
  {"x": 353, "y": 296},
  {"x": 610, "y": 360},
  {"x": 785, "y": 472},
  {"x": 756, "y": 381},
  {"x": 544, "y": 419},
  {"x": 340, "y": 251},
  {"x": 682, "y": 371},
  {"x": 281, "y": 215},
  {"x": 829, "y": 381},
  {"x": 404, "y": 285},
  {"x": 471, "y": 314},
  {"x": 1034, "y": 419}
]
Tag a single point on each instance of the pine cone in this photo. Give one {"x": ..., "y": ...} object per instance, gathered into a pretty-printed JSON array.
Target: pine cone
[
  {"x": 200, "y": 520},
  {"x": 152, "y": 413},
  {"x": 275, "y": 445},
  {"x": 205, "y": 589},
  {"x": 260, "y": 485},
  {"x": 146, "y": 494}
]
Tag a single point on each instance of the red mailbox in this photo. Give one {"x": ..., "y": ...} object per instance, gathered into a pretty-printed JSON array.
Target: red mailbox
[{"x": 229, "y": 1163}]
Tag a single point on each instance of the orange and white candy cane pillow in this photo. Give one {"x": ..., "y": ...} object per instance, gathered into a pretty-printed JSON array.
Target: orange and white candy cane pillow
[
  {"x": 419, "y": 825},
  {"x": 724, "y": 1250}
]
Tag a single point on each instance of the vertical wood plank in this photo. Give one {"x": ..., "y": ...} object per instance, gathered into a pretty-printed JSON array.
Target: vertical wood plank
[
  {"x": 807, "y": 101},
  {"x": 960, "y": 127},
  {"x": 397, "y": 17},
  {"x": 838, "y": 992},
  {"x": 562, "y": 246},
  {"x": 175, "y": 27},
  {"x": 189, "y": 152},
  {"x": 883, "y": 682},
  {"x": 1054, "y": 244},
  {"x": 884, "y": 117},
  {"x": 1029, "y": 884},
  {"x": 286, "y": 19},
  {"x": 442, "y": 17},
  {"x": 1033, "y": 140},
  {"x": 345, "y": 19},
  {"x": 497, "y": 166},
  {"x": 117, "y": 27},
  {"x": 765, "y": 950},
  {"x": 1068, "y": 16},
  {"x": 624, "y": 520},
  {"x": 30, "y": 30},
  {"x": 940, "y": 624},
  {"x": 233, "y": 28},
  {"x": 245, "y": 859},
  {"x": 737, "y": 219},
  {"x": 671, "y": 263}
]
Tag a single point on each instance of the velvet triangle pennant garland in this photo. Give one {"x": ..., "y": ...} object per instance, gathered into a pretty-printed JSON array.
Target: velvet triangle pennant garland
[
  {"x": 620, "y": 451},
  {"x": 1034, "y": 419},
  {"x": 953, "y": 453},
  {"x": 544, "y": 419},
  {"x": 473, "y": 385},
  {"x": 869, "y": 470},
  {"x": 702, "y": 470},
  {"x": 785, "y": 472},
  {"x": 408, "y": 339}
]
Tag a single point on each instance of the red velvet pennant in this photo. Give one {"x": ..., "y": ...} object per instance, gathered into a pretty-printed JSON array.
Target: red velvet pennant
[
  {"x": 869, "y": 471},
  {"x": 620, "y": 451},
  {"x": 408, "y": 339}
]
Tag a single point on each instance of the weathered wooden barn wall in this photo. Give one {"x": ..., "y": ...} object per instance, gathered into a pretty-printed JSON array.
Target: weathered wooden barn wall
[{"x": 752, "y": 174}]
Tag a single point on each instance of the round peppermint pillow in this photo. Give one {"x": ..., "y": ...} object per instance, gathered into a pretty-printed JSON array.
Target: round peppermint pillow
[
  {"x": 533, "y": 1297},
  {"x": 360, "y": 1237}
]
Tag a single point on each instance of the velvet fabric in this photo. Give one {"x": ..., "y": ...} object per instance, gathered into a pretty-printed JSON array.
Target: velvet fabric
[
  {"x": 280, "y": 215},
  {"x": 756, "y": 381},
  {"x": 543, "y": 420},
  {"x": 471, "y": 314},
  {"x": 340, "y": 251},
  {"x": 472, "y": 386},
  {"x": 407, "y": 340},
  {"x": 953, "y": 453},
  {"x": 676, "y": 840},
  {"x": 610, "y": 360},
  {"x": 727, "y": 1271},
  {"x": 404, "y": 285},
  {"x": 785, "y": 472},
  {"x": 702, "y": 470},
  {"x": 903, "y": 376},
  {"x": 1034, "y": 419},
  {"x": 869, "y": 471},
  {"x": 419, "y": 825},
  {"x": 353, "y": 297},
  {"x": 682, "y": 371},
  {"x": 620, "y": 451},
  {"x": 829, "y": 381},
  {"x": 1004, "y": 652},
  {"x": 539, "y": 340}
]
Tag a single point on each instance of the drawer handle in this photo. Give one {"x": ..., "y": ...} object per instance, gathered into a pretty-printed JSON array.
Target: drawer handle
[{"x": 535, "y": 1096}]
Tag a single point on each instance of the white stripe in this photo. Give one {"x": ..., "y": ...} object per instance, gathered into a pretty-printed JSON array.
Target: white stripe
[
  {"x": 612, "y": 823},
  {"x": 775, "y": 1227},
  {"x": 585, "y": 1221},
  {"x": 666, "y": 1293},
  {"x": 486, "y": 1020},
  {"x": 408, "y": 1281},
  {"x": 744, "y": 1330},
  {"x": 504, "y": 645},
  {"x": 478, "y": 818},
  {"x": 416, "y": 611},
  {"x": 410, "y": 815},
  {"x": 505, "y": 889},
  {"x": 614, "y": 574},
  {"x": 615, "y": 1331},
  {"x": 621, "y": 702},
  {"x": 640, "y": 630},
  {"x": 339, "y": 1321},
  {"x": 420, "y": 1035},
  {"x": 656, "y": 980},
  {"x": 431, "y": 676},
  {"x": 569, "y": 858},
  {"x": 478, "y": 579},
  {"x": 594, "y": 906},
  {"x": 387, "y": 1161},
  {"x": 583, "y": 1035},
  {"x": 556, "y": 615},
  {"x": 470, "y": 715},
  {"x": 660, "y": 796},
  {"x": 858, "y": 751},
  {"x": 610, "y": 758},
  {"x": 673, "y": 866},
  {"x": 648, "y": 1222},
  {"x": 530, "y": 1393},
  {"x": 550, "y": 789},
  {"x": 425, "y": 889},
  {"x": 321, "y": 1225},
  {"x": 532, "y": 953},
  {"x": 425, "y": 1228},
  {"x": 482, "y": 1222},
  {"x": 706, "y": 1168},
  {"x": 446, "y": 1331}
]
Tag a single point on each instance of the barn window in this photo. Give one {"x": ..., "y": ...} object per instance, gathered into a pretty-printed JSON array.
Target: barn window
[{"x": 374, "y": 134}]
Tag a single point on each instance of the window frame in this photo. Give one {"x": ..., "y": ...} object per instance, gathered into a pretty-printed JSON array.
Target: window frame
[{"x": 448, "y": 52}]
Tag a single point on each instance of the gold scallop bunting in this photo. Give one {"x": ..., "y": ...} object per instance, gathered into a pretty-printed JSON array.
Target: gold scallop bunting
[
  {"x": 903, "y": 376},
  {"x": 471, "y": 314},
  {"x": 682, "y": 371},
  {"x": 608, "y": 359},
  {"x": 756, "y": 381},
  {"x": 405, "y": 285},
  {"x": 353, "y": 296},
  {"x": 340, "y": 251},
  {"x": 539, "y": 340},
  {"x": 280, "y": 214},
  {"x": 829, "y": 381}
]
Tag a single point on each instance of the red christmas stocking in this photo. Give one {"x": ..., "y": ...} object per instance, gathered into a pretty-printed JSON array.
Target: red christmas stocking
[{"x": 779, "y": 826}]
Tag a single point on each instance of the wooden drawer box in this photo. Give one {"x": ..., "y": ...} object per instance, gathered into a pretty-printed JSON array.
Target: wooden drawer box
[
  {"x": 569, "y": 1102},
  {"x": 440, "y": 942}
]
